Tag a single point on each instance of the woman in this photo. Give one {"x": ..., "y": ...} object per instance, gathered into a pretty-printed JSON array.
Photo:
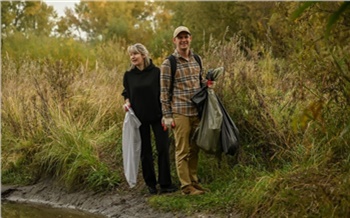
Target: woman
[{"x": 142, "y": 93}]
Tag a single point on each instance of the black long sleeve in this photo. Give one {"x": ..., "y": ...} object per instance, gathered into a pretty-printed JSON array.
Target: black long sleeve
[{"x": 143, "y": 90}]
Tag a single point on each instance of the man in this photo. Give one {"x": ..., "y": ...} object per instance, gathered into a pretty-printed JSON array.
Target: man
[{"x": 179, "y": 113}]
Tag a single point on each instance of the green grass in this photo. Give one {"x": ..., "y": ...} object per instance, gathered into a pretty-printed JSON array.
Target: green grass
[{"x": 65, "y": 120}]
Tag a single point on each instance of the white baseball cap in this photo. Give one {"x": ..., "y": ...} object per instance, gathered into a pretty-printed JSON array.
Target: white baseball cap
[{"x": 181, "y": 29}]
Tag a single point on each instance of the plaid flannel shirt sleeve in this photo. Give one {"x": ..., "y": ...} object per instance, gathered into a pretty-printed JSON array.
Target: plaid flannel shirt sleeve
[{"x": 165, "y": 80}]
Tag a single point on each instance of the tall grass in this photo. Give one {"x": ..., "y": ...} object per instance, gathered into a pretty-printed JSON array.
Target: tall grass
[
  {"x": 64, "y": 120},
  {"x": 294, "y": 154}
]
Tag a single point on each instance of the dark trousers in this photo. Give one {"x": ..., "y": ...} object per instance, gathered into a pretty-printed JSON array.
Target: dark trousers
[{"x": 162, "y": 146}]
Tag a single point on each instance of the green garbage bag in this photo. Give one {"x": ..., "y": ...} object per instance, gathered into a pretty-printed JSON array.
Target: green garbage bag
[{"x": 207, "y": 135}]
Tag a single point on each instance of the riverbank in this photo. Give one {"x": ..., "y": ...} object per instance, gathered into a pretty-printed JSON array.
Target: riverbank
[{"x": 122, "y": 202}]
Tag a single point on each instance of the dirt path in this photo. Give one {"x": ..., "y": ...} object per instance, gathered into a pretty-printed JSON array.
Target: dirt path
[{"x": 121, "y": 204}]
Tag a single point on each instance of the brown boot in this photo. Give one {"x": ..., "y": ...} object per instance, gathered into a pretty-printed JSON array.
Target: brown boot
[
  {"x": 199, "y": 187},
  {"x": 190, "y": 190}
]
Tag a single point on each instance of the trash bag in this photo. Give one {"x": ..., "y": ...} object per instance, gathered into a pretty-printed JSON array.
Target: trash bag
[
  {"x": 207, "y": 135},
  {"x": 199, "y": 99},
  {"x": 131, "y": 141},
  {"x": 213, "y": 74},
  {"x": 200, "y": 96},
  {"x": 229, "y": 133}
]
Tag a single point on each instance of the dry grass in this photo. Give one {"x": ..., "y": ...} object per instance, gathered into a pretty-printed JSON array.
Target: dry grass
[{"x": 65, "y": 120}]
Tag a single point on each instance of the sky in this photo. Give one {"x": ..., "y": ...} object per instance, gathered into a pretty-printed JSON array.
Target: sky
[{"x": 60, "y": 5}]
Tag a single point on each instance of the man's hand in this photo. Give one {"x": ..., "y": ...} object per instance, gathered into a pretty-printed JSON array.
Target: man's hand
[
  {"x": 167, "y": 123},
  {"x": 211, "y": 84}
]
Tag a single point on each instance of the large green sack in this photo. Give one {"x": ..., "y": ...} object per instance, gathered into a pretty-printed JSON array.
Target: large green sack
[{"x": 207, "y": 135}]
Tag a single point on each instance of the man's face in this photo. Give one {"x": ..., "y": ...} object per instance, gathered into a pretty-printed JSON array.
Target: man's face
[{"x": 183, "y": 41}]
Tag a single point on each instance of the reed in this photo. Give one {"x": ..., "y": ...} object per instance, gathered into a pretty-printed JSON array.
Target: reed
[
  {"x": 64, "y": 120},
  {"x": 294, "y": 139}
]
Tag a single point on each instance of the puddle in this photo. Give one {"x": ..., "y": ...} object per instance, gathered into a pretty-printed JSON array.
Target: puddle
[{"x": 25, "y": 210}]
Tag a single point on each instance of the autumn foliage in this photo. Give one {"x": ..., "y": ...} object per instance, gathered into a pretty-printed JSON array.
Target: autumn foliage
[{"x": 286, "y": 85}]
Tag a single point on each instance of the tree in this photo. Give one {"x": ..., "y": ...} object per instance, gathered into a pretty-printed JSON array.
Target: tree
[
  {"x": 103, "y": 20},
  {"x": 27, "y": 17},
  {"x": 221, "y": 20},
  {"x": 333, "y": 18}
]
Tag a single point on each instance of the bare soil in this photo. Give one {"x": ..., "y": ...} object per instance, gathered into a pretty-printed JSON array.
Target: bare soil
[{"x": 122, "y": 202}]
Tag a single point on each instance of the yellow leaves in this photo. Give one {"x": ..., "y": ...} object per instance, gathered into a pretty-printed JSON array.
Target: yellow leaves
[
  {"x": 312, "y": 113},
  {"x": 315, "y": 108},
  {"x": 32, "y": 8}
]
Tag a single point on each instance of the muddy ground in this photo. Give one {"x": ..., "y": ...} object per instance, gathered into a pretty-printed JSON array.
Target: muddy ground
[{"x": 122, "y": 202}]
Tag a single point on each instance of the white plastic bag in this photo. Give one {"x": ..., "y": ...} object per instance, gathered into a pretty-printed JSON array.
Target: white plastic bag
[{"x": 131, "y": 141}]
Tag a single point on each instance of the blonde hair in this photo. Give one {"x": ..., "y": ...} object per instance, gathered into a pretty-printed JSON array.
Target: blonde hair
[{"x": 140, "y": 49}]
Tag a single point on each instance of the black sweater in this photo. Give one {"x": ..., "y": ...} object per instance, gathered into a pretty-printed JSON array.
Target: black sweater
[{"x": 142, "y": 88}]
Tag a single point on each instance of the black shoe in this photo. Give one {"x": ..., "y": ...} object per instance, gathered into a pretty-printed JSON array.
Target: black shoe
[
  {"x": 152, "y": 190},
  {"x": 169, "y": 189}
]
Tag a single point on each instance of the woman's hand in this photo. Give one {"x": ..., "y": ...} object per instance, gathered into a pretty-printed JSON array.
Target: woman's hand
[{"x": 127, "y": 105}]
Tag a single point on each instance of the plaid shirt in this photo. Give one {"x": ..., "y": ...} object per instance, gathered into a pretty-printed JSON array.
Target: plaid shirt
[{"x": 186, "y": 83}]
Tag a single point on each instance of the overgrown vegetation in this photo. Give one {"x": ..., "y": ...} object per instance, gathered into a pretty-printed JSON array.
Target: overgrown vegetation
[
  {"x": 59, "y": 121},
  {"x": 295, "y": 137},
  {"x": 289, "y": 95}
]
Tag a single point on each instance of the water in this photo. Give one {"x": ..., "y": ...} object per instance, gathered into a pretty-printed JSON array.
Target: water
[{"x": 21, "y": 210}]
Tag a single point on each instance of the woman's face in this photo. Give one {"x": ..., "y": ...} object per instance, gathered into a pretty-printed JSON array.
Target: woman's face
[{"x": 137, "y": 59}]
